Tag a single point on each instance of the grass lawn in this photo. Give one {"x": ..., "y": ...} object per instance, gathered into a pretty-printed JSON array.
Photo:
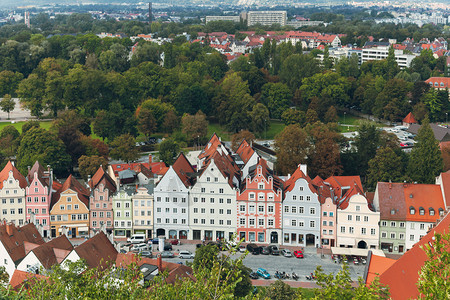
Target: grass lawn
[
  {"x": 274, "y": 128},
  {"x": 18, "y": 125},
  {"x": 307, "y": 293},
  {"x": 349, "y": 119}
]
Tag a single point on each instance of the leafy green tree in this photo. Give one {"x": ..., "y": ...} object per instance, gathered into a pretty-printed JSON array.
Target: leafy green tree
[
  {"x": 7, "y": 104},
  {"x": 433, "y": 104},
  {"x": 425, "y": 162},
  {"x": 391, "y": 64},
  {"x": 433, "y": 280},
  {"x": 280, "y": 291},
  {"x": 292, "y": 147},
  {"x": 194, "y": 127},
  {"x": 54, "y": 92},
  {"x": 311, "y": 116},
  {"x": 168, "y": 151},
  {"x": 9, "y": 82},
  {"x": 276, "y": 97},
  {"x": 293, "y": 116},
  {"x": 9, "y": 140},
  {"x": 124, "y": 148},
  {"x": 158, "y": 108},
  {"x": 31, "y": 92},
  {"x": 295, "y": 68},
  {"x": 146, "y": 122},
  {"x": 216, "y": 64},
  {"x": 88, "y": 165},
  {"x": 171, "y": 122},
  {"x": 385, "y": 166},
  {"x": 45, "y": 147},
  {"x": 331, "y": 115},
  {"x": 260, "y": 118},
  {"x": 94, "y": 146},
  {"x": 114, "y": 59},
  {"x": 205, "y": 257},
  {"x": 366, "y": 143}
]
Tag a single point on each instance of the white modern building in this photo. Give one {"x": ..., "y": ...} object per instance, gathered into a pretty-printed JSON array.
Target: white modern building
[
  {"x": 381, "y": 52},
  {"x": 236, "y": 19},
  {"x": 266, "y": 18}
]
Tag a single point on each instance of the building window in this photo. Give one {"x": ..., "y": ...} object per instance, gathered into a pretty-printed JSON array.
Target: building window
[
  {"x": 261, "y": 222},
  {"x": 203, "y": 210},
  {"x": 401, "y": 236},
  {"x": 421, "y": 211},
  {"x": 211, "y": 200},
  {"x": 383, "y": 235},
  {"x": 294, "y": 223},
  {"x": 94, "y": 223},
  {"x": 366, "y": 218},
  {"x": 358, "y": 208},
  {"x": 308, "y": 198},
  {"x": 195, "y": 199},
  {"x": 270, "y": 209},
  {"x": 422, "y": 226},
  {"x": 301, "y": 224},
  {"x": 203, "y": 190},
  {"x": 242, "y": 221},
  {"x": 242, "y": 208},
  {"x": 383, "y": 223},
  {"x": 411, "y": 237},
  {"x": 392, "y": 235},
  {"x": 393, "y": 224},
  {"x": 331, "y": 214},
  {"x": 300, "y": 198},
  {"x": 363, "y": 230},
  {"x": 372, "y": 231},
  {"x": 260, "y": 186},
  {"x": 220, "y": 191},
  {"x": 351, "y": 230},
  {"x": 342, "y": 229},
  {"x": 228, "y": 211},
  {"x": 251, "y": 196},
  {"x": 324, "y": 213},
  {"x": 312, "y": 211},
  {"x": 294, "y": 197},
  {"x": 312, "y": 224},
  {"x": 349, "y": 217},
  {"x": 412, "y": 211},
  {"x": 251, "y": 222},
  {"x": 270, "y": 222},
  {"x": 228, "y": 201},
  {"x": 203, "y": 200},
  {"x": 286, "y": 209}
]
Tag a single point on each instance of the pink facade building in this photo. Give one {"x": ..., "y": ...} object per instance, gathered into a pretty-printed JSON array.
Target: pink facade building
[
  {"x": 259, "y": 205},
  {"x": 100, "y": 201},
  {"x": 38, "y": 195}
]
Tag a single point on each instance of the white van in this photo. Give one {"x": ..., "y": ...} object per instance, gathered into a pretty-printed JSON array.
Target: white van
[{"x": 136, "y": 239}]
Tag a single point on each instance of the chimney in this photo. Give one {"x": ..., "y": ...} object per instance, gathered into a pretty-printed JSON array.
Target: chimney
[
  {"x": 304, "y": 168},
  {"x": 150, "y": 159},
  {"x": 159, "y": 263},
  {"x": 9, "y": 229},
  {"x": 289, "y": 176},
  {"x": 48, "y": 168},
  {"x": 29, "y": 168}
]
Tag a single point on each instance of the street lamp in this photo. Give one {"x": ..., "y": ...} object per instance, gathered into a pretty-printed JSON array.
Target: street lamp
[
  {"x": 446, "y": 119},
  {"x": 344, "y": 116}
]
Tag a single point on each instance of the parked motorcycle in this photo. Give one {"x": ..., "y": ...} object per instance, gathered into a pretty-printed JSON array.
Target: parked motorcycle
[
  {"x": 294, "y": 276},
  {"x": 278, "y": 275}
]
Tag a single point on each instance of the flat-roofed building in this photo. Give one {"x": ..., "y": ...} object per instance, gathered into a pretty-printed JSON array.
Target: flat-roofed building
[
  {"x": 236, "y": 19},
  {"x": 266, "y": 18}
]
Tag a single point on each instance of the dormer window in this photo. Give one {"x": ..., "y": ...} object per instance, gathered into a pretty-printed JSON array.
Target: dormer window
[
  {"x": 441, "y": 212},
  {"x": 431, "y": 210},
  {"x": 421, "y": 211},
  {"x": 412, "y": 211},
  {"x": 69, "y": 199},
  {"x": 392, "y": 211}
]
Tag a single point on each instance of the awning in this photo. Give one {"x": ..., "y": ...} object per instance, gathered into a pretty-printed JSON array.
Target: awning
[
  {"x": 355, "y": 251},
  {"x": 84, "y": 228}
]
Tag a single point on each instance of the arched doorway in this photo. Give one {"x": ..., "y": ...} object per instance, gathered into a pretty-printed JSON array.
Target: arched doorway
[
  {"x": 183, "y": 234},
  {"x": 362, "y": 245},
  {"x": 160, "y": 232},
  {"x": 274, "y": 238},
  {"x": 172, "y": 234},
  {"x": 310, "y": 239}
]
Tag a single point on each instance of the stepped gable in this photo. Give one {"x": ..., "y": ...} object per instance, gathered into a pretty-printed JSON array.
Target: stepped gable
[
  {"x": 48, "y": 253},
  {"x": 183, "y": 168},
  {"x": 290, "y": 183},
  {"x": 245, "y": 151},
  {"x": 97, "y": 251},
  {"x": 4, "y": 174},
  {"x": 13, "y": 239},
  {"x": 267, "y": 172},
  {"x": 101, "y": 177},
  {"x": 39, "y": 169}
]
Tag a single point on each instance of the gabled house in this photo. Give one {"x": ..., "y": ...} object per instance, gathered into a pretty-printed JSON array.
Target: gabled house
[
  {"x": 248, "y": 156},
  {"x": 409, "y": 119},
  {"x": 123, "y": 212},
  {"x": 171, "y": 195},
  {"x": 328, "y": 212},
  {"x": 69, "y": 210},
  {"x": 142, "y": 201},
  {"x": 301, "y": 210},
  {"x": 12, "y": 193},
  {"x": 12, "y": 244},
  {"x": 38, "y": 195},
  {"x": 41, "y": 258},
  {"x": 98, "y": 252},
  {"x": 259, "y": 202},
  {"x": 212, "y": 205},
  {"x": 100, "y": 201}
]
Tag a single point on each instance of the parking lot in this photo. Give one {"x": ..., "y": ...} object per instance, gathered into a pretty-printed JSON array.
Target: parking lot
[
  {"x": 301, "y": 266},
  {"x": 406, "y": 139}
]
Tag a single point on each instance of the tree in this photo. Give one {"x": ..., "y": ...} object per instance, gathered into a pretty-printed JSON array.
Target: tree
[
  {"x": 7, "y": 104},
  {"x": 433, "y": 280},
  {"x": 54, "y": 92},
  {"x": 158, "y": 108},
  {"x": 88, "y": 165},
  {"x": 168, "y": 151},
  {"x": 194, "y": 127},
  {"x": 205, "y": 257},
  {"x": 124, "y": 148},
  {"x": 339, "y": 286},
  {"x": 9, "y": 140},
  {"x": 237, "y": 139},
  {"x": 260, "y": 118},
  {"x": 31, "y": 92},
  {"x": 296, "y": 67},
  {"x": 276, "y": 97},
  {"x": 45, "y": 147},
  {"x": 433, "y": 104},
  {"x": 366, "y": 143},
  {"x": 171, "y": 122},
  {"x": 291, "y": 146},
  {"x": 146, "y": 122},
  {"x": 331, "y": 115},
  {"x": 311, "y": 116},
  {"x": 280, "y": 291},
  {"x": 293, "y": 116},
  {"x": 72, "y": 118},
  {"x": 324, "y": 152},
  {"x": 9, "y": 82},
  {"x": 94, "y": 146},
  {"x": 425, "y": 162},
  {"x": 385, "y": 166}
]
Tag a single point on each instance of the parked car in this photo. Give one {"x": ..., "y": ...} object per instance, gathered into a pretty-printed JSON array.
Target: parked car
[
  {"x": 254, "y": 275},
  {"x": 139, "y": 247},
  {"x": 155, "y": 241},
  {"x": 167, "y": 247},
  {"x": 198, "y": 245},
  {"x": 242, "y": 248},
  {"x": 298, "y": 253},
  {"x": 175, "y": 242},
  {"x": 136, "y": 238},
  {"x": 147, "y": 254},
  {"x": 167, "y": 254},
  {"x": 186, "y": 254},
  {"x": 286, "y": 253},
  {"x": 254, "y": 249},
  {"x": 263, "y": 273},
  {"x": 274, "y": 250},
  {"x": 265, "y": 250}
]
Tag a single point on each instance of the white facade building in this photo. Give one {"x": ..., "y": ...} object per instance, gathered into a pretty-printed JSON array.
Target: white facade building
[
  {"x": 266, "y": 18},
  {"x": 381, "y": 52}
]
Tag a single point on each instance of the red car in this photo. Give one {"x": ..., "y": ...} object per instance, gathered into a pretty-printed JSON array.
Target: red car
[
  {"x": 298, "y": 253},
  {"x": 175, "y": 242}
]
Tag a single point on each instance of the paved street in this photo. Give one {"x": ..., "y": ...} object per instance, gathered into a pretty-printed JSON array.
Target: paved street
[{"x": 271, "y": 263}]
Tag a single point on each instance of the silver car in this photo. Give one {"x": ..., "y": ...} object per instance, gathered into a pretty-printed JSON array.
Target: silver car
[{"x": 286, "y": 252}]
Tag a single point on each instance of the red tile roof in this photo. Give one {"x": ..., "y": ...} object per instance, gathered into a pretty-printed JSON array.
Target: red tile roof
[
  {"x": 19, "y": 278},
  {"x": 97, "y": 251},
  {"x": 376, "y": 266},
  {"x": 391, "y": 199},
  {"x": 444, "y": 80},
  {"x": 16, "y": 174},
  {"x": 402, "y": 276},
  {"x": 426, "y": 196},
  {"x": 14, "y": 243},
  {"x": 54, "y": 251},
  {"x": 102, "y": 177},
  {"x": 344, "y": 187},
  {"x": 290, "y": 183},
  {"x": 182, "y": 167},
  {"x": 154, "y": 167},
  {"x": 245, "y": 151},
  {"x": 37, "y": 168},
  {"x": 409, "y": 119},
  {"x": 73, "y": 184},
  {"x": 266, "y": 172},
  {"x": 210, "y": 147}
]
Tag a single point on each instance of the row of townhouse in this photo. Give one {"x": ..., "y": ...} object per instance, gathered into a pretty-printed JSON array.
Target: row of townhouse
[{"x": 222, "y": 195}]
